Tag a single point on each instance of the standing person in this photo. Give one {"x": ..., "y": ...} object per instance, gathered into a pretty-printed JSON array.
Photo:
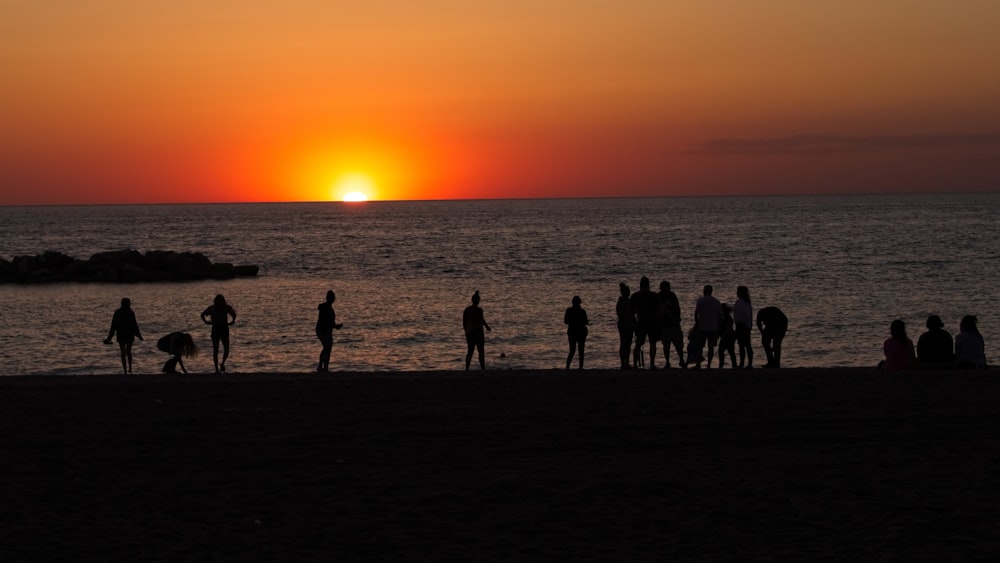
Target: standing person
[
  {"x": 708, "y": 320},
  {"x": 325, "y": 324},
  {"x": 127, "y": 328},
  {"x": 473, "y": 323},
  {"x": 743, "y": 317},
  {"x": 646, "y": 305},
  {"x": 626, "y": 324},
  {"x": 217, "y": 314},
  {"x": 898, "y": 348},
  {"x": 179, "y": 345},
  {"x": 970, "y": 348},
  {"x": 672, "y": 332},
  {"x": 772, "y": 324},
  {"x": 727, "y": 337},
  {"x": 935, "y": 348},
  {"x": 576, "y": 321}
]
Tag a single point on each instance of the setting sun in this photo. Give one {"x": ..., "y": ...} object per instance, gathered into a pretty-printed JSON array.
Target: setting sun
[{"x": 354, "y": 187}]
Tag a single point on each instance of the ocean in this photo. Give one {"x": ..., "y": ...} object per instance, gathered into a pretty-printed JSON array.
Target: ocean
[{"x": 840, "y": 267}]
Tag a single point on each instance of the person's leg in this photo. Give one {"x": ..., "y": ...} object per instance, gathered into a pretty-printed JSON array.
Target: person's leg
[
  {"x": 121, "y": 352},
  {"x": 215, "y": 352},
  {"x": 225, "y": 351},
  {"x": 711, "y": 348},
  {"x": 677, "y": 337},
  {"x": 640, "y": 339},
  {"x": 583, "y": 347},
  {"x": 481, "y": 348},
  {"x": 765, "y": 342},
  {"x": 777, "y": 348},
  {"x": 624, "y": 346},
  {"x": 470, "y": 343},
  {"x": 572, "y": 351},
  {"x": 326, "y": 339},
  {"x": 128, "y": 355}
]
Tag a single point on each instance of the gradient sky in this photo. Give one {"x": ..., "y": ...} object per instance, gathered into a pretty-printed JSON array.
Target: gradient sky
[{"x": 122, "y": 101}]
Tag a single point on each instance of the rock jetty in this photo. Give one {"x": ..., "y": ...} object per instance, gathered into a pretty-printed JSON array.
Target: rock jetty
[{"x": 122, "y": 266}]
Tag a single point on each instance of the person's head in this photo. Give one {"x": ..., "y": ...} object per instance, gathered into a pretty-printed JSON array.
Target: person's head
[
  {"x": 934, "y": 322},
  {"x": 708, "y": 290},
  {"x": 220, "y": 300},
  {"x": 743, "y": 292},
  {"x": 664, "y": 286},
  {"x": 969, "y": 324},
  {"x": 330, "y": 296},
  {"x": 623, "y": 288},
  {"x": 577, "y": 301},
  {"x": 644, "y": 283},
  {"x": 475, "y": 298},
  {"x": 898, "y": 330},
  {"x": 126, "y": 303}
]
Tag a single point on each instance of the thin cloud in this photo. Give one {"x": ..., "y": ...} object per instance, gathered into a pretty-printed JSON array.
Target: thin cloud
[{"x": 832, "y": 144}]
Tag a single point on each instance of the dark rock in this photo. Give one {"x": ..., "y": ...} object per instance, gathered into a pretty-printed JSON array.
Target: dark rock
[{"x": 120, "y": 266}]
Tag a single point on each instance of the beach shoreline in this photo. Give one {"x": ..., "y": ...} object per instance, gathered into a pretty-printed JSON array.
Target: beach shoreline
[{"x": 798, "y": 463}]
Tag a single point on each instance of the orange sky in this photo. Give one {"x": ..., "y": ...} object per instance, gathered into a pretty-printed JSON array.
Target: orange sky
[{"x": 118, "y": 101}]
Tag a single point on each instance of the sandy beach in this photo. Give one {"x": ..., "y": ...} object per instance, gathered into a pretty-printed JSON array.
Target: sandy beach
[{"x": 795, "y": 464}]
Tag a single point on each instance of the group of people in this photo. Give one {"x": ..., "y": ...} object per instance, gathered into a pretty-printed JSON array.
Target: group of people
[
  {"x": 642, "y": 316},
  {"x": 180, "y": 345},
  {"x": 935, "y": 348},
  {"x": 657, "y": 317}
]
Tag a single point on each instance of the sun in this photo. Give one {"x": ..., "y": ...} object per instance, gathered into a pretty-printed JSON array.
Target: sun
[{"x": 354, "y": 187}]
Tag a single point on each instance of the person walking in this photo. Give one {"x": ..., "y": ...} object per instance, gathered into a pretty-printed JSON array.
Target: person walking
[
  {"x": 576, "y": 321},
  {"x": 124, "y": 325}
]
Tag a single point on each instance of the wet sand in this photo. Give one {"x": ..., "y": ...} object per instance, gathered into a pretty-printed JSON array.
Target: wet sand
[{"x": 796, "y": 464}]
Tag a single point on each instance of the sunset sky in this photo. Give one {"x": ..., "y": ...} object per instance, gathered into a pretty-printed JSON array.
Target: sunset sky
[{"x": 132, "y": 101}]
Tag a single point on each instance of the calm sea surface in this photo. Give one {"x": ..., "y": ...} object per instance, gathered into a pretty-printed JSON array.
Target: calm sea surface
[{"x": 840, "y": 267}]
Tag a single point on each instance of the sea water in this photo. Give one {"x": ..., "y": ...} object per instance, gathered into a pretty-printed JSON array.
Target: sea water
[{"x": 841, "y": 267}]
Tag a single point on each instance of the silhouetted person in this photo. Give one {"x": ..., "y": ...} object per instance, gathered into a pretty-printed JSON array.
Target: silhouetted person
[
  {"x": 743, "y": 317},
  {"x": 708, "y": 319},
  {"x": 179, "y": 345},
  {"x": 970, "y": 348},
  {"x": 670, "y": 313},
  {"x": 576, "y": 321},
  {"x": 727, "y": 337},
  {"x": 646, "y": 306},
  {"x": 325, "y": 324},
  {"x": 123, "y": 324},
  {"x": 626, "y": 325},
  {"x": 935, "y": 348},
  {"x": 218, "y": 315},
  {"x": 772, "y": 324},
  {"x": 473, "y": 323},
  {"x": 898, "y": 348}
]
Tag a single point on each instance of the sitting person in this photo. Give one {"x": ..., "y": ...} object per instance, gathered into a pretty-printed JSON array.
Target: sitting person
[
  {"x": 935, "y": 348},
  {"x": 898, "y": 348},
  {"x": 970, "y": 349}
]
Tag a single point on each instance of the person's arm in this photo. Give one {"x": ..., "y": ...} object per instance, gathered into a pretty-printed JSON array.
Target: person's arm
[
  {"x": 485, "y": 323},
  {"x": 233, "y": 313},
  {"x": 205, "y": 314},
  {"x": 180, "y": 362}
]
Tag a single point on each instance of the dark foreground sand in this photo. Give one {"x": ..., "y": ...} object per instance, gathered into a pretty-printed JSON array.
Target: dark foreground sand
[{"x": 800, "y": 464}]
